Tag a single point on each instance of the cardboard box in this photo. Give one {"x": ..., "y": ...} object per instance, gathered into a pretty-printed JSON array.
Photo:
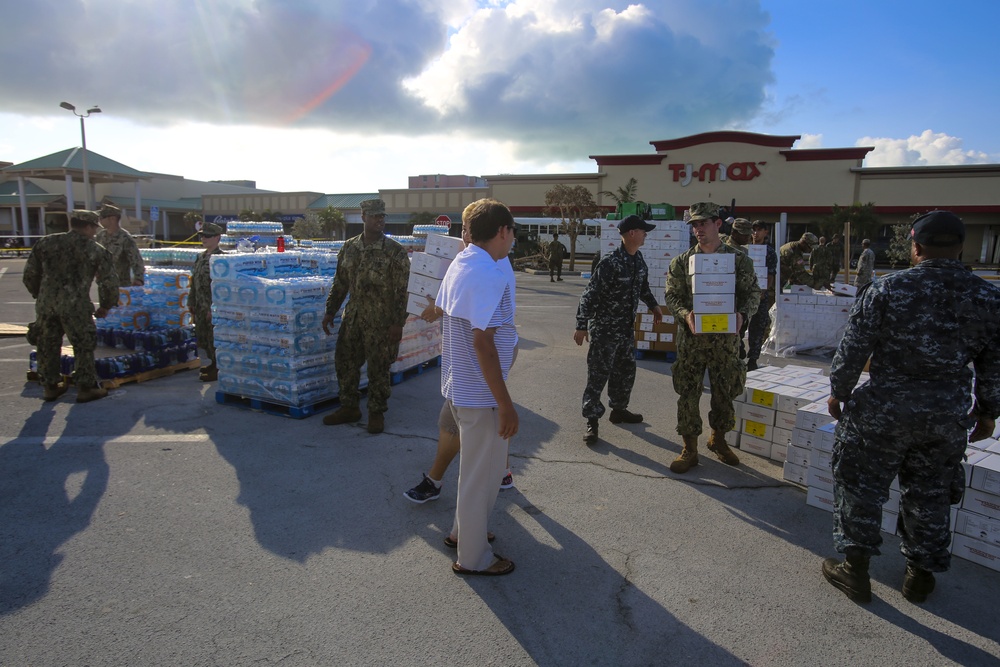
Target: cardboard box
[
  {"x": 709, "y": 323},
  {"x": 429, "y": 265},
  {"x": 819, "y": 498},
  {"x": 983, "y": 553},
  {"x": 844, "y": 290},
  {"x": 986, "y": 474},
  {"x": 803, "y": 438},
  {"x": 423, "y": 285},
  {"x": 981, "y": 502},
  {"x": 781, "y": 435},
  {"x": 415, "y": 303},
  {"x": 778, "y": 451},
  {"x": 978, "y": 526},
  {"x": 754, "y": 445},
  {"x": 790, "y": 399},
  {"x": 762, "y": 394},
  {"x": 823, "y": 460},
  {"x": 711, "y": 283},
  {"x": 758, "y": 430},
  {"x": 714, "y": 303},
  {"x": 785, "y": 420},
  {"x": 820, "y": 479},
  {"x": 758, "y": 413},
  {"x": 812, "y": 416},
  {"x": 718, "y": 262},
  {"x": 795, "y": 473},
  {"x": 972, "y": 457},
  {"x": 797, "y": 456},
  {"x": 444, "y": 246}
]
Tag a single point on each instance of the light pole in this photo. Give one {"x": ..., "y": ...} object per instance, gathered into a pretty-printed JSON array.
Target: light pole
[{"x": 83, "y": 136}]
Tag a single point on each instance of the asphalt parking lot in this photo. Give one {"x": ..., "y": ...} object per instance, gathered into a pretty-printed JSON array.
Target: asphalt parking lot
[{"x": 157, "y": 527}]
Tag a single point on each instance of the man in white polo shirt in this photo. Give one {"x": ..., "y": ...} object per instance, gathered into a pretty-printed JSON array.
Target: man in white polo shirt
[{"x": 477, "y": 349}]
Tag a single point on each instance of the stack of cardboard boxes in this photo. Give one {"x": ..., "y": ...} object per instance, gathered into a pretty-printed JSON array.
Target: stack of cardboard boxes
[
  {"x": 807, "y": 317},
  {"x": 976, "y": 521},
  {"x": 758, "y": 253},
  {"x": 713, "y": 289},
  {"x": 421, "y": 340}
]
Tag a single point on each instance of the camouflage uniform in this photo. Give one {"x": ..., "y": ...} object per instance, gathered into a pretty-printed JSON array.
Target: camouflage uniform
[
  {"x": 793, "y": 267},
  {"x": 760, "y": 323},
  {"x": 717, "y": 352},
  {"x": 912, "y": 416},
  {"x": 837, "y": 251},
  {"x": 200, "y": 302},
  {"x": 58, "y": 274},
  {"x": 375, "y": 275},
  {"x": 556, "y": 251},
  {"x": 821, "y": 265},
  {"x": 607, "y": 311},
  {"x": 866, "y": 268},
  {"x": 125, "y": 255}
]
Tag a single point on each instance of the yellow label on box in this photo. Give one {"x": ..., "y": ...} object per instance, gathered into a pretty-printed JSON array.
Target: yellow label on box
[
  {"x": 755, "y": 429},
  {"x": 761, "y": 397},
  {"x": 715, "y": 323}
]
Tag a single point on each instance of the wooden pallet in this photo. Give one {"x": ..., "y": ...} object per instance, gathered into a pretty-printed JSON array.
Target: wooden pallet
[
  {"x": 152, "y": 374},
  {"x": 399, "y": 376},
  {"x": 274, "y": 408},
  {"x": 658, "y": 355}
]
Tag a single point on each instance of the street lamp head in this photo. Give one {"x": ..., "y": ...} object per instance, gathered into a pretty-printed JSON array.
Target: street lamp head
[
  {"x": 95, "y": 109},
  {"x": 67, "y": 105}
]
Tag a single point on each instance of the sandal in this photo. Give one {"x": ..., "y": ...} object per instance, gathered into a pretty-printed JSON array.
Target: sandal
[
  {"x": 500, "y": 567},
  {"x": 453, "y": 544}
]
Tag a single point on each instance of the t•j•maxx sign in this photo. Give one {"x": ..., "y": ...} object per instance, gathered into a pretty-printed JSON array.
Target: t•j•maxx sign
[{"x": 715, "y": 171}]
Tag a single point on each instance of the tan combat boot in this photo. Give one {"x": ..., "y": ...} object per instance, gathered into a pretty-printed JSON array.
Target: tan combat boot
[
  {"x": 717, "y": 444},
  {"x": 342, "y": 416},
  {"x": 688, "y": 457},
  {"x": 54, "y": 391},
  {"x": 90, "y": 394},
  {"x": 376, "y": 422}
]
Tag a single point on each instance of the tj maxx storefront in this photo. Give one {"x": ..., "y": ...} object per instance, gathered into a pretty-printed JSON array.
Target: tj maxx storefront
[{"x": 767, "y": 178}]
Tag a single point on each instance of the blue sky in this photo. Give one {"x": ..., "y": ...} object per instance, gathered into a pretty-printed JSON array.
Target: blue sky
[{"x": 337, "y": 96}]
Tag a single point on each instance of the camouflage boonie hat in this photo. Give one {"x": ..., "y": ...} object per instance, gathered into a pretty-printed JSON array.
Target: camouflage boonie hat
[
  {"x": 742, "y": 226},
  {"x": 109, "y": 210},
  {"x": 810, "y": 238},
  {"x": 373, "y": 207},
  {"x": 211, "y": 229},
  {"x": 82, "y": 217},
  {"x": 704, "y": 210}
]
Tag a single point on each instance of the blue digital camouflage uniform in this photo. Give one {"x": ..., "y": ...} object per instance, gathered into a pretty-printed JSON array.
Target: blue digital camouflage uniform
[
  {"x": 607, "y": 311},
  {"x": 922, "y": 328},
  {"x": 124, "y": 254},
  {"x": 375, "y": 275},
  {"x": 760, "y": 323},
  {"x": 719, "y": 353},
  {"x": 200, "y": 302},
  {"x": 58, "y": 274}
]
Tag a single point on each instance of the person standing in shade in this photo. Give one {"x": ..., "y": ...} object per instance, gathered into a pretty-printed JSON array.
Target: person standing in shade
[
  {"x": 58, "y": 275},
  {"x": 837, "y": 252},
  {"x": 717, "y": 352},
  {"x": 922, "y": 329},
  {"x": 374, "y": 270},
  {"x": 124, "y": 252},
  {"x": 821, "y": 263},
  {"x": 556, "y": 253},
  {"x": 793, "y": 262},
  {"x": 477, "y": 350},
  {"x": 606, "y": 318},
  {"x": 866, "y": 265},
  {"x": 200, "y": 298},
  {"x": 760, "y": 323}
]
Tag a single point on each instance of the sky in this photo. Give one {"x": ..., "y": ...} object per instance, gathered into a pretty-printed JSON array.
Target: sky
[{"x": 339, "y": 96}]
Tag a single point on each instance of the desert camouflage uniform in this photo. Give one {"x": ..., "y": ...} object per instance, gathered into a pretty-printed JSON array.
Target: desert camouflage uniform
[
  {"x": 125, "y": 255},
  {"x": 793, "y": 267},
  {"x": 200, "y": 302},
  {"x": 866, "y": 268},
  {"x": 58, "y": 274},
  {"x": 607, "y": 311},
  {"x": 760, "y": 323},
  {"x": 717, "y": 352},
  {"x": 821, "y": 264},
  {"x": 375, "y": 276},
  {"x": 911, "y": 417}
]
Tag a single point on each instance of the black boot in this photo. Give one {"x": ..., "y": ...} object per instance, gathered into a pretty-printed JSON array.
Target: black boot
[
  {"x": 918, "y": 583},
  {"x": 851, "y": 575},
  {"x": 591, "y": 436},
  {"x": 624, "y": 416}
]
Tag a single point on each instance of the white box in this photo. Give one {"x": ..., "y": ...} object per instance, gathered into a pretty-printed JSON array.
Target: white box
[
  {"x": 754, "y": 445},
  {"x": 986, "y": 474},
  {"x": 823, "y": 460},
  {"x": 423, "y": 285},
  {"x": 845, "y": 290},
  {"x": 757, "y": 429},
  {"x": 715, "y": 323},
  {"x": 981, "y": 502},
  {"x": 795, "y": 473},
  {"x": 415, "y": 303},
  {"x": 790, "y": 399},
  {"x": 761, "y": 393},
  {"x": 714, "y": 303},
  {"x": 429, "y": 265},
  {"x": 987, "y": 445},
  {"x": 812, "y": 416},
  {"x": 713, "y": 283},
  {"x": 825, "y": 436},
  {"x": 984, "y": 553},
  {"x": 782, "y": 436},
  {"x": 444, "y": 246},
  {"x": 718, "y": 262},
  {"x": 785, "y": 420},
  {"x": 972, "y": 457},
  {"x": 819, "y": 498},
  {"x": 797, "y": 455},
  {"x": 978, "y": 526},
  {"x": 758, "y": 413},
  {"x": 800, "y": 289},
  {"x": 820, "y": 479},
  {"x": 803, "y": 438},
  {"x": 778, "y": 451}
]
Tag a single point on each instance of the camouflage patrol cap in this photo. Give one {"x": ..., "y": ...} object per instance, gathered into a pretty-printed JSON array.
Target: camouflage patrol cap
[
  {"x": 82, "y": 218},
  {"x": 109, "y": 210},
  {"x": 809, "y": 238},
  {"x": 939, "y": 229},
  {"x": 373, "y": 207},
  {"x": 704, "y": 210},
  {"x": 211, "y": 229},
  {"x": 742, "y": 226}
]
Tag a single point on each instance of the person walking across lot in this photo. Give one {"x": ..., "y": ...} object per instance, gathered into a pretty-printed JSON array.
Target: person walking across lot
[
  {"x": 556, "y": 253},
  {"x": 932, "y": 333}
]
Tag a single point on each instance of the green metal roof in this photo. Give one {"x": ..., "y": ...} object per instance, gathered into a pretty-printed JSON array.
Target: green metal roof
[
  {"x": 33, "y": 200},
  {"x": 341, "y": 201},
  {"x": 10, "y": 188},
  {"x": 56, "y": 165},
  {"x": 184, "y": 204}
]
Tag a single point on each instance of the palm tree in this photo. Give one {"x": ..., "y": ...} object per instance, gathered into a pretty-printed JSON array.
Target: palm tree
[{"x": 625, "y": 193}]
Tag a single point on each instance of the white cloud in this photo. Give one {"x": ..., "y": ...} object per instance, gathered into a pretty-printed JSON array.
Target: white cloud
[
  {"x": 810, "y": 141},
  {"x": 927, "y": 148}
]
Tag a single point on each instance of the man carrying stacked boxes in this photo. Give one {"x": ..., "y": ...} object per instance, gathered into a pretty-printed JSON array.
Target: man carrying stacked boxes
[{"x": 711, "y": 289}]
